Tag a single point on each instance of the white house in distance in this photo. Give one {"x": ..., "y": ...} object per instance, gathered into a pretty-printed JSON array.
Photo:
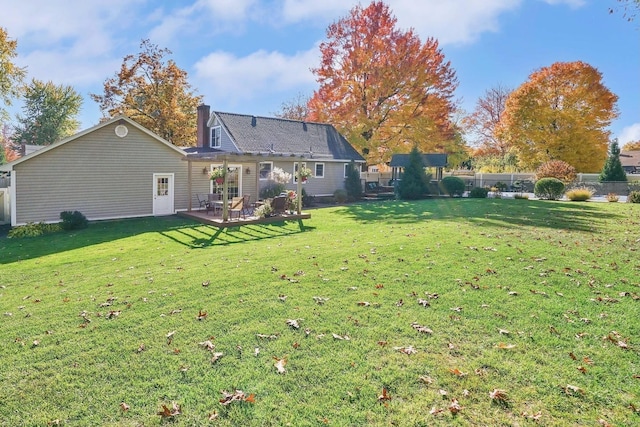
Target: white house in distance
[{"x": 119, "y": 169}]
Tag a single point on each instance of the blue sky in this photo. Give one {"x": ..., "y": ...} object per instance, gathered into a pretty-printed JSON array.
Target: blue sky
[{"x": 250, "y": 56}]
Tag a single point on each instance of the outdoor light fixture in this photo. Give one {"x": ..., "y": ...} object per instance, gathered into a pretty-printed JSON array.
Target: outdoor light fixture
[
  {"x": 204, "y": 170},
  {"x": 247, "y": 171}
]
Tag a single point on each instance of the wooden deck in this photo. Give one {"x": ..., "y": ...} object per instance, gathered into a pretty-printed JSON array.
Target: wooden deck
[{"x": 216, "y": 221}]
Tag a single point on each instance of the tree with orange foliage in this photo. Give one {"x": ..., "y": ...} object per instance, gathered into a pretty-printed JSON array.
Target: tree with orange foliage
[
  {"x": 631, "y": 146},
  {"x": 155, "y": 93},
  {"x": 383, "y": 88},
  {"x": 483, "y": 122},
  {"x": 561, "y": 113}
]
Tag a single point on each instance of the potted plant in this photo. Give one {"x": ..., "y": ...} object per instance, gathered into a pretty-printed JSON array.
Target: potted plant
[
  {"x": 304, "y": 173},
  {"x": 217, "y": 175}
]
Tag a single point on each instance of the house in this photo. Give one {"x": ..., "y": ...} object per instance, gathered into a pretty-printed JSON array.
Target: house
[
  {"x": 250, "y": 147},
  {"x": 116, "y": 169},
  {"x": 119, "y": 169},
  {"x": 630, "y": 161},
  {"x": 436, "y": 161}
]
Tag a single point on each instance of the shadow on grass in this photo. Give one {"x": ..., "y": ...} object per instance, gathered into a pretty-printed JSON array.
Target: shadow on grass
[
  {"x": 497, "y": 212},
  {"x": 202, "y": 236},
  {"x": 181, "y": 230}
]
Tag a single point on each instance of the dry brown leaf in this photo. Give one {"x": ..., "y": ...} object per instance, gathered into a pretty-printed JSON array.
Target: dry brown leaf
[
  {"x": 237, "y": 396},
  {"x": 426, "y": 379},
  {"x": 213, "y": 416},
  {"x": 582, "y": 369},
  {"x": 207, "y": 345},
  {"x": 201, "y": 315},
  {"x": 454, "y": 407},
  {"x": 341, "y": 337},
  {"x": 572, "y": 356},
  {"x": 424, "y": 302},
  {"x": 604, "y": 423},
  {"x": 384, "y": 396},
  {"x": 282, "y": 297},
  {"x": 498, "y": 395},
  {"x": 457, "y": 372},
  {"x": 293, "y": 323},
  {"x": 572, "y": 389},
  {"x": 268, "y": 337},
  {"x": 216, "y": 356},
  {"x": 364, "y": 304},
  {"x": 505, "y": 346},
  {"x": 533, "y": 417},
  {"x": 124, "y": 407},
  {"x": 406, "y": 350},
  {"x": 165, "y": 412},
  {"x": 280, "y": 363},
  {"x": 587, "y": 360},
  {"x": 422, "y": 329},
  {"x": 436, "y": 411}
]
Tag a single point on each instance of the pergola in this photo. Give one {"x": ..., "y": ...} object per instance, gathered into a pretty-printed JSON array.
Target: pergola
[{"x": 225, "y": 158}]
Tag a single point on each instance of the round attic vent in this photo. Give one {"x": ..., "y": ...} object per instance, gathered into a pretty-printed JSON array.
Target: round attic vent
[{"x": 122, "y": 131}]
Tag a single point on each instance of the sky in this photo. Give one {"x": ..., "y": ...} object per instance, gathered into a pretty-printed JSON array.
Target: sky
[{"x": 251, "y": 56}]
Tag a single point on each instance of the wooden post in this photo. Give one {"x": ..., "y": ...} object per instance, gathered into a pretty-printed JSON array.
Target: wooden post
[
  {"x": 299, "y": 189},
  {"x": 189, "y": 185},
  {"x": 225, "y": 192}
]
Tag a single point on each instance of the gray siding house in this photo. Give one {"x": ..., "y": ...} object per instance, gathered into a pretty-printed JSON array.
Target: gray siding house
[
  {"x": 119, "y": 169},
  {"x": 253, "y": 146}
]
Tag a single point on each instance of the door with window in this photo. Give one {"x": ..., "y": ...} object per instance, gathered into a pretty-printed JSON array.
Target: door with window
[
  {"x": 163, "y": 194},
  {"x": 234, "y": 184}
]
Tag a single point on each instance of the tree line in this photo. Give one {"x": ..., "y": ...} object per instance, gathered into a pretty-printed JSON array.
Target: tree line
[{"x": 385, "y": 89}]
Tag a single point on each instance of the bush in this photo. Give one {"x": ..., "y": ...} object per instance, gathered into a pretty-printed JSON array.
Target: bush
[
  {"x": 580, "y": 194},
  {"x": 271, "y": 190},
  {"x": 33, "y": 229},
  {"x": 557, "y": 169},
  {"x": 340, "y": 196},
  {"x": 549, "y": 188},
  {"x": 478, "y": 193},
  {"x": 501, "y": 186},
  {"x": 452, "y": 185},
  {"x": 352, "y": 183},
  {"x": 633, "y": 197},
  {"x": 73, "y": 220},
  {"x": 612, "y": 197},
  {"x": 521, "y": 196}
]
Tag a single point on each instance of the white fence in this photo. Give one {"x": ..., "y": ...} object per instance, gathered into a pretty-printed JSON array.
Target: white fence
[
  {"x": 525, "y": 181},
  {"x": 5, "y": 206}
]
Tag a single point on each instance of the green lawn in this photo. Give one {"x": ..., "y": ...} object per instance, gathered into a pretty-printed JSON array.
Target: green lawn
[{"x": 409, "y": 314}]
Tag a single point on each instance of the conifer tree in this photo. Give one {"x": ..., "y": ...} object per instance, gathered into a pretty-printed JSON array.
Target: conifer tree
[{"x": 612, "y": 170}]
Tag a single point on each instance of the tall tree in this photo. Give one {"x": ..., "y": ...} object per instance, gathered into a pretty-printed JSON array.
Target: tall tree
[
  {"x": 295, "y": 109},
  {"x": 561, "y": 113},
  {"x": 631, "y": 146},
  {"x": 154, "y": 92},
  {"x": 482, "y": 123},
  {"x": 381, "y": 87},
  {"x": 11, "y": 76},
  {"x": 50, "y": 113},
  {"x": 415, "y": 181},
  {"x": 613, "y": 170}
]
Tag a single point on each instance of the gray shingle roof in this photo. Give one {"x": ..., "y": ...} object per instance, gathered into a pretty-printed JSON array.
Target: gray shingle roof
[
  {"x": 254, "y": 134},
  {"x": 429, "y": 160}
]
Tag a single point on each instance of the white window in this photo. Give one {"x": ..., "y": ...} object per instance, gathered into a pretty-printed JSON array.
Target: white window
[
  {"x": 346, "y": 170},
  {"x": 215, "y": 136},
  {"x": 265, "y": 169},
  {"x": 318, "y": 171},
  {"x": 295, "y": 170}
]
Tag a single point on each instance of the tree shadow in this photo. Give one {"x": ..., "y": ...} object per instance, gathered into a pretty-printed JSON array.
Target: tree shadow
[
  {"x": 497, "y": 212},
  {"x": 181, "y": 230}
]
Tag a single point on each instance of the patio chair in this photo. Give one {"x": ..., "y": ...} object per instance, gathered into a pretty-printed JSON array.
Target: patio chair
[
  {"x": 279, "y": 204},
  {"x": 247, "y": 207},
  {"x": 236, "y": 207},
  {"x": 213, "y": 204},
  {"x": 202, "y": 201}
]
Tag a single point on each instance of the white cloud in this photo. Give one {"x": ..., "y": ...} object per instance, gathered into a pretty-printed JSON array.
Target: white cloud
[
  {"x": 629, "y": 134},
  {"x": 223, "y": 75},
  {"x": 572, "y": 3},
  {"x": 230, "y": 10}
]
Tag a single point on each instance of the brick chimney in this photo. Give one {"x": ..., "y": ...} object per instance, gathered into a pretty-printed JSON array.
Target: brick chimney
[{"x": 203, "y": 129}]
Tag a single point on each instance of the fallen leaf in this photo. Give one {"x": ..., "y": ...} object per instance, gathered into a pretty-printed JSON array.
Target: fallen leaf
[
  {"x": 282, "y": 297},
  {"x": 141, "y": 348},
  {"x": 384, "y": 396},
  {"x": 503, "y": 332},
  {"x": 280, "y": 364},
  {"x": 454, "y": 407},
  {"x": 213, "y": 416},
  {"x": 216, "y": 356},
  {"x": 124, "y": 407},
  {"x": 293, "y": 323},
  {"x": 573, "y": 356},
  {"x": 207, "y": 345},
  {"x": 268, "y": 337},
  {"x": 341, "y": 337},
  {"x": 170, "y": 413},
  {"x": 582, "y": 369},
  {"x": 587, "y": 360},
  {"x": 237, "y": 396},
  {"x": 457, "y": 372},
  {"x": 505, "y": 346},
  {"x": 604, "y": 423},
  {"x": 426, "y": 379},
  {"x": 320, "y": 300},
  {"x": 424, "y": 302},
  {"x": 533, "y": 417},
  {"x": 406, "y": 350},
  {"x": 436, "y": 411},
  {"x": 422, "y": 329},
  {"x": 201, "y": 315},
  {"x": 364, "y": 304},
  {"x": 572, "y": 389},
  {"x": 499, "y": 395}
]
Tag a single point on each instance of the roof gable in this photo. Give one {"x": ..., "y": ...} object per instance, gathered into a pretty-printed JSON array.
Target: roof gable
[
  {"x": 267, "y": 135},
  {"x": 124, "y": 119},
  {"x": 630, "y": 158}
]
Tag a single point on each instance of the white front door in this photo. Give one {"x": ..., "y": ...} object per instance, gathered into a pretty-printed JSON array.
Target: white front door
[{"x": 163, "y": 194}]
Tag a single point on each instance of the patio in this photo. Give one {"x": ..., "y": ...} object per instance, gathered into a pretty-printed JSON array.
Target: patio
[{"x": 217, "y": 221}]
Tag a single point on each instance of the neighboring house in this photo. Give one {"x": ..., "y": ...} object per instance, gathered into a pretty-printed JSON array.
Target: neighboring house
[
  {"x": 401, "y": 161},
  {"x": 630, "y": 161},
  {"x": 119, "y": 169},
  {"x": 253, "y": 146}
]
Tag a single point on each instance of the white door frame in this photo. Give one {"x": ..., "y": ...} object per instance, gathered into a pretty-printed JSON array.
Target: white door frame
[{"x": 163, "y": 198}]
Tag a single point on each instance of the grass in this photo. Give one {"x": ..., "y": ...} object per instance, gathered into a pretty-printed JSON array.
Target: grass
[{"x": 538, "y": 299}]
